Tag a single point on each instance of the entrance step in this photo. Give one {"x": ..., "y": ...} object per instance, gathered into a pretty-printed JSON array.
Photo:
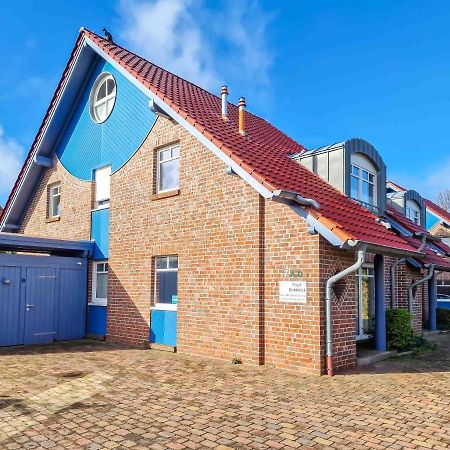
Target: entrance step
[{"x": 372, "y": 356}]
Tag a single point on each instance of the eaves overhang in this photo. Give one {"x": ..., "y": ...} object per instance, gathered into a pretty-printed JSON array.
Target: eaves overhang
[{"x": 14, "y": 242}]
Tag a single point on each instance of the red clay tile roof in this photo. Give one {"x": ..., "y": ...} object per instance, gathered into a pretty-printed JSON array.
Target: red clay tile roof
[
  {"x": 404, "y": 221},
  {"x": 432, "y": 257},
  {"x": 438, "y": 210},
  {"x": 263, "y": 153}
]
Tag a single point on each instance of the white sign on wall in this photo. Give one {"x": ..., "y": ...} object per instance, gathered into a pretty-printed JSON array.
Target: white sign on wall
[{"x": 293, "y": 291}]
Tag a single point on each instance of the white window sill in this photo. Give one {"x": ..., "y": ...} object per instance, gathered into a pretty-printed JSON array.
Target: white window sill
[
  {"x": 100, "y": 207},
  {"x": 99, "y": 302},
  {"x": 164, "y": 307}
]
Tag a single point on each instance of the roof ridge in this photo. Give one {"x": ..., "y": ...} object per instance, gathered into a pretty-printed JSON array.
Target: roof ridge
[{"x": 247, "y": 112}]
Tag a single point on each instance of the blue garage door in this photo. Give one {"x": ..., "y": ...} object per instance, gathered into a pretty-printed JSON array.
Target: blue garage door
[{"x": 42, "y": 299}]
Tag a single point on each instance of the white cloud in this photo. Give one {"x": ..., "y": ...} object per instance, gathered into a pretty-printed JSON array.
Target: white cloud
[
  {"x": 11, "y": 157},
  {"x": 428, "y": 181},
  {"x": 209, "y": 46}
]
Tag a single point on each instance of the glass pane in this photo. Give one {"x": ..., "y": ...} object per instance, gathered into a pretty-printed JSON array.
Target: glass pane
[
  {"x": 167, "y": 287},
  {"x": 173, "y": 262},
  {"x": 367, "y": 192},
  {"x": 100, "y": 111},
  {"x": 102, "y": 91},
  {"x": 354, "y": 188},
  {"x": 110, "y": 85},
  {"x": 165, "y": 154},
  {"x": 355, "y": 171},
  {"x": 102, "y": 285},
  {"x": 109, "y": 106},
  {"x": 371, "y": 177},
  {"x": 161, "y": 262},
  {"x": 56, "y": 211},
  {"x": 368, "y": 304},
  {"x": 169, "y": 175},
  {"x": 365, "y": 175},
  {"x": 176, "y": 152}
]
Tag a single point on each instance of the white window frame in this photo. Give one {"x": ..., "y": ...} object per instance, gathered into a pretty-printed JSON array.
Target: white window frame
[
  {"x": 102, "y": 203},
  {"x": 156, "y": 304},
  {"x": 94, "y": 300},
  {"x": 52, "y": 196},
  {"x": 413, "y": 211},
  {"x": 360, "y": 335},
  {"x": 159, "y": 163},
  {"x": 94, "y": 103}
]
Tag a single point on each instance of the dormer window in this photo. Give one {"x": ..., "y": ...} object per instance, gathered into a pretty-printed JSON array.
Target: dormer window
[
  {"x": 412, "y": 211},
  {"x": 354, "y": 167},
  {"x": 363, "y": 185},
  {"x": 363, "y": 180}
]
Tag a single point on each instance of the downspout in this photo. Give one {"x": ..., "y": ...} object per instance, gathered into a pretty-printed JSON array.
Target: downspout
[
  {"x": 329, "y": 310},
  {"x": 394, "y": 266},
  {"x": 415, "y": 284}
]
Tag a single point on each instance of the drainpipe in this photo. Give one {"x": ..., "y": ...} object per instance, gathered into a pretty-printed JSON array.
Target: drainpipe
[
  {"x": 415, "y": 284},
  {"x": 329, "y": 310},
  {"x": 394, "y": 266}
]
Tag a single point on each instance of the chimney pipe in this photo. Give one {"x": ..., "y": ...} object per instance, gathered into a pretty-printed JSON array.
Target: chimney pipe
[
  {"x": 242, "y": 106},
  {"x": 224, "y": 94}
]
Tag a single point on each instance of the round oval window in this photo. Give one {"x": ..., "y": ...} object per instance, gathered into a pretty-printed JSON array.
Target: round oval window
[{"x": 103, "y": 97}]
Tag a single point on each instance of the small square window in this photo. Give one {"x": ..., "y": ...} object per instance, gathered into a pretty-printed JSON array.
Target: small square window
[
  {"x": 168, "y": 170},
  {"x": 54, "y": 201},
  {"x": 100, "y": 283}
]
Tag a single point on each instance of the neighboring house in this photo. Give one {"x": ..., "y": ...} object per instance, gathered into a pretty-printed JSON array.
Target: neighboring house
[
  {"x": 426, "y": 213},
  {"x": 210, "y": 233}
]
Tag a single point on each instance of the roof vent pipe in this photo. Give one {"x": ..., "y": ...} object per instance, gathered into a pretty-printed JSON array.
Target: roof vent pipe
[
  {"x": 242, "y": 106},
  {"x": 224, "y": 94}
]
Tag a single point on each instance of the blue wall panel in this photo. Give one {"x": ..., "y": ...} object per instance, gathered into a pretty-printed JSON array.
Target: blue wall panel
[
  {"x": 100, "y": 233},
  {"x": 163, "y": 327},
  {"x": 87, "y": 145},
  {"x": 96, "y": 323},
  {"x": 431, "y": 220}
]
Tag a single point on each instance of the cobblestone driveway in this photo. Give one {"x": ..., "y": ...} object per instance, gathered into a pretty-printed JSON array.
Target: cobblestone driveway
[{"x": 98, "y": 396}]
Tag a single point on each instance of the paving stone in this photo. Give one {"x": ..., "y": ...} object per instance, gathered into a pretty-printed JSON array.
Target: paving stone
[{"x": 131, "y": 398}]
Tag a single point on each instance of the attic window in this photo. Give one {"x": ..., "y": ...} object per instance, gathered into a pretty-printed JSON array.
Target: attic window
[
  {"x": 413, "y": 211},
  {"x": 103, "y": 97}
]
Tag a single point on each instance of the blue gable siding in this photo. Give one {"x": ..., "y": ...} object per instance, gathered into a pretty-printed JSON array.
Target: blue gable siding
[
  {"x": 87, "y": 145},
  {"x": 100, "y": 233},
  {"x": 431, "y": 220}
]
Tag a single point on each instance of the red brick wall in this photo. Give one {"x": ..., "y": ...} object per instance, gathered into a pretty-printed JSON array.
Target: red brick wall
[
  {"x": 233, "y": 247},
  {"x": 212, "y": 225},
  {"x": 292, "y": 331},
  {"x": 344, "y": 304},
  {"x": 406, "y": 275},
  {"x": 76, "y": 201}
]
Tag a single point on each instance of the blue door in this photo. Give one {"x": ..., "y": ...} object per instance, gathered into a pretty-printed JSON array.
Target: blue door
[
  {"x": 40, "y": 323},
  {"x": 11, "y": 310},
  {"x": 42, "y": 299}
]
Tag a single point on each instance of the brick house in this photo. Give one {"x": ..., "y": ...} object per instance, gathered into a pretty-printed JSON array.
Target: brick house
[{"x": 214, "y": 232}]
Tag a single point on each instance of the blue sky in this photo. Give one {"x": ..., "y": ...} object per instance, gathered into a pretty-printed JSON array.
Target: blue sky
[{"x": 322, "y": 71}]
